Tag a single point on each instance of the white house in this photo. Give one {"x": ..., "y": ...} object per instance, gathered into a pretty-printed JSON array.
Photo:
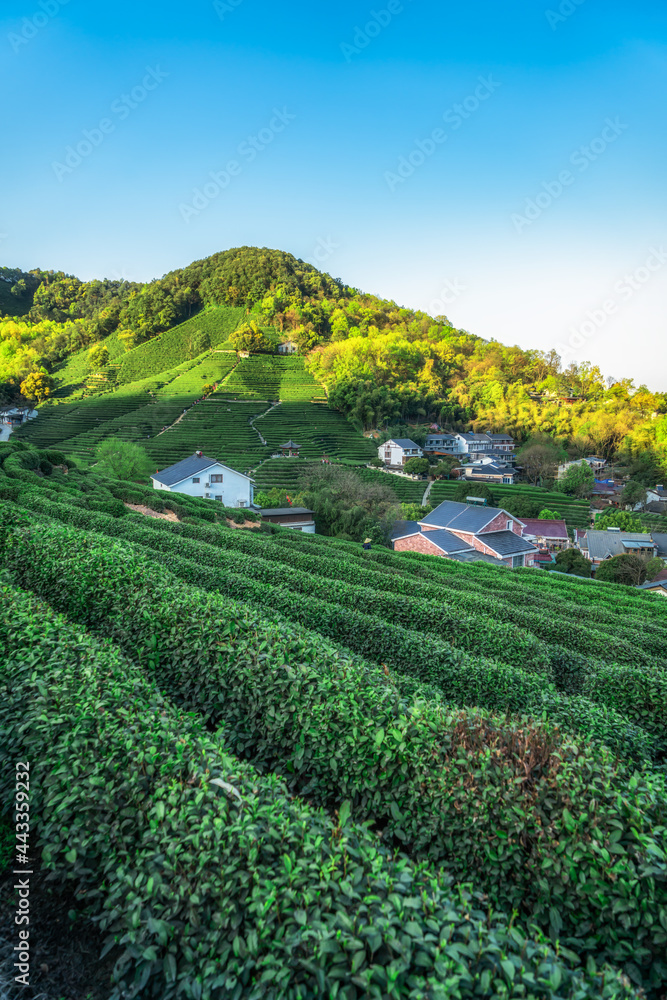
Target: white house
[
  {"x": 488, "y": 470},
  {"x": 288, "y": 347},
  {"x": 396, "y": 452},
  {"x": 596, "y": 465},
  {"x": 442, "y": 443},
  {"x": 199, "y": 476}
]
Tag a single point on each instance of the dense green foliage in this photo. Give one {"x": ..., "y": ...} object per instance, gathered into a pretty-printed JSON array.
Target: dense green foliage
[
  {"x": 628, "y": 569},
  {"x": 216, "y": 881},
  {"x": 200, "y": 649}
]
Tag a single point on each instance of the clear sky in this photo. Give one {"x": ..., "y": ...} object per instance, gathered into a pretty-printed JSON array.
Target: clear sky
[{"x": 503, "y": 164}]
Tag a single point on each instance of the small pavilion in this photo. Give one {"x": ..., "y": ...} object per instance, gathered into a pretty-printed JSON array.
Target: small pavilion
[{"x": 290, "y": 450}]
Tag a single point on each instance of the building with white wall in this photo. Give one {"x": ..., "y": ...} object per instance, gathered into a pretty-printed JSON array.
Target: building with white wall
[
  {"x": 396, "y": 452},
  {"x": 205, "y": 478}
]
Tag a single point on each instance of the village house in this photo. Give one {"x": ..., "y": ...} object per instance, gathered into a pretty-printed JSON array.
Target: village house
[
  {"x": 487, "y": 470},
  {"x": 441, "y": 444},
  {"x": 658, "y": 587},
  {"x": 551, "y": 535},
  {"x": 396, "y": 452},
  {"x": 657, "y": 494},
  {"x": 199, "y": 476},
  {"x": 485, "y": 444},
  {"x": 464, "y": 532},
  {"x": 596, "y": 465},
  {"x": 288, "y": 347},
  {"x": 602, "y": 545},
  {"x": 297, "y": 518}
]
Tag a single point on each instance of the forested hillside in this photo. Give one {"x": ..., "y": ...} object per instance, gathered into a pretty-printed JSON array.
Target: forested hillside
[{"x": 275, "y": 765}]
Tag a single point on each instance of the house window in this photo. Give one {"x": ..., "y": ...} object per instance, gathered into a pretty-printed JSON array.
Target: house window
[
  {"x": 216, "y": 479},
  {"x": 196, "y": 479},
  {"x": 510, "y": 525},
  {"x": 518, "y": 561},
  {"x": 219, "y": 498}
]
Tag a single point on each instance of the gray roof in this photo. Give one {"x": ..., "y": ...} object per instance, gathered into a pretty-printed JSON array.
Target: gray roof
[
  {"x": 468, "y": 436},
  {"x": 500, "y": 437},
  {"x": 189, "y": 467},
  {"x": 660, "y": 540},
  {"x": 403, "y": 442},
  {"x": 404, "y": 528},
  {"x": 473, "y": 556},
  {"x": 507, "y": 543},
  {"x": 490, "y": 469},
  {"x": 606, "y": 544},
  {"x": 446, "y": 541},
  {"x": 264, "y": 511},
  {"x": 290, "y": 444},
  {"x": 463, "y": 517},
  {"x": 655, "y": 585},
  {"x": 440, "y": 437}
]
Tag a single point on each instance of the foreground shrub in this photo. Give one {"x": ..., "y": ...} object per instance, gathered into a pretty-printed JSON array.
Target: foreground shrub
[
  {"x": 561, "y": 831},
  {"x": 212, "y": 879}
]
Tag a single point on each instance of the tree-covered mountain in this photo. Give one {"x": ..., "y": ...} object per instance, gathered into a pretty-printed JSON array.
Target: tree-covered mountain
[{"x": 382, "y": 364}]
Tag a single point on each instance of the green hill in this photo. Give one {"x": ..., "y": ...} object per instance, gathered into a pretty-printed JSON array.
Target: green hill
[{"x": 376, "y": 363}]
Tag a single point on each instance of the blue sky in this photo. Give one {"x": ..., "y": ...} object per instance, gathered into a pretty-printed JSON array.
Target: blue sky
[{"x": 504, "y": 167}]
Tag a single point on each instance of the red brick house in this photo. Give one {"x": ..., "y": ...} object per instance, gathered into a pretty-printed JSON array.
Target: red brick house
[
  {"x": 467, "y": 533},
  {"x": 550, "y": 535}
]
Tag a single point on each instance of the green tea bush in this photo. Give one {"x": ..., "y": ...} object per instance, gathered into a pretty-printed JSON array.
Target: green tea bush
[
  {"x": 405, "y": 633},
  {"x": 538, "y": 842},
  {"x": 215, "y": 883}
]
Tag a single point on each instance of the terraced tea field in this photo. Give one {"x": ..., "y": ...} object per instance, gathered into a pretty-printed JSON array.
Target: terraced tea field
[{"x": 363, "y": 737}]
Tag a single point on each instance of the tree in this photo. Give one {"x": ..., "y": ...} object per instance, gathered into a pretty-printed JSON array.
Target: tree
[
  {"x": 346, "y": 506},
  {"x": 414, "y": 511},
  {"x": 622, "y": 519},
  {"x": 628, "y": 570},
  {"x": 549, "y": 515},
  {"x": 577, "y": 482},
  {"x": 98, "y": 357},
  {"x": 653, "y": 567},
  {"x": 521, "y": 506},
  {"x": 417, "y": 466},
  {"x": 250, "y": 338},
  {"x": 633, "y": 493},
  {"x": 538, "y": 462},
  {"x": 377, "y": 463},
  {"x": 37, "y": 387},
  {"x": 571, "y": 561},
  {"x": 445, "y": 467},
  {"x": 272, "y": 498},
  {"x": 122, "y": 459},
  {"x": 466, "y": 489}
]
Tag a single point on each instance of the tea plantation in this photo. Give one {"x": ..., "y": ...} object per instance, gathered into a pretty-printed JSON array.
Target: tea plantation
[{"x": 275, "y": 765}]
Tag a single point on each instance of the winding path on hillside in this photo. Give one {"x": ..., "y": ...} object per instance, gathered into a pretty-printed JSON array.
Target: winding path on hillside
[{"x": 427, "y": 493}]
